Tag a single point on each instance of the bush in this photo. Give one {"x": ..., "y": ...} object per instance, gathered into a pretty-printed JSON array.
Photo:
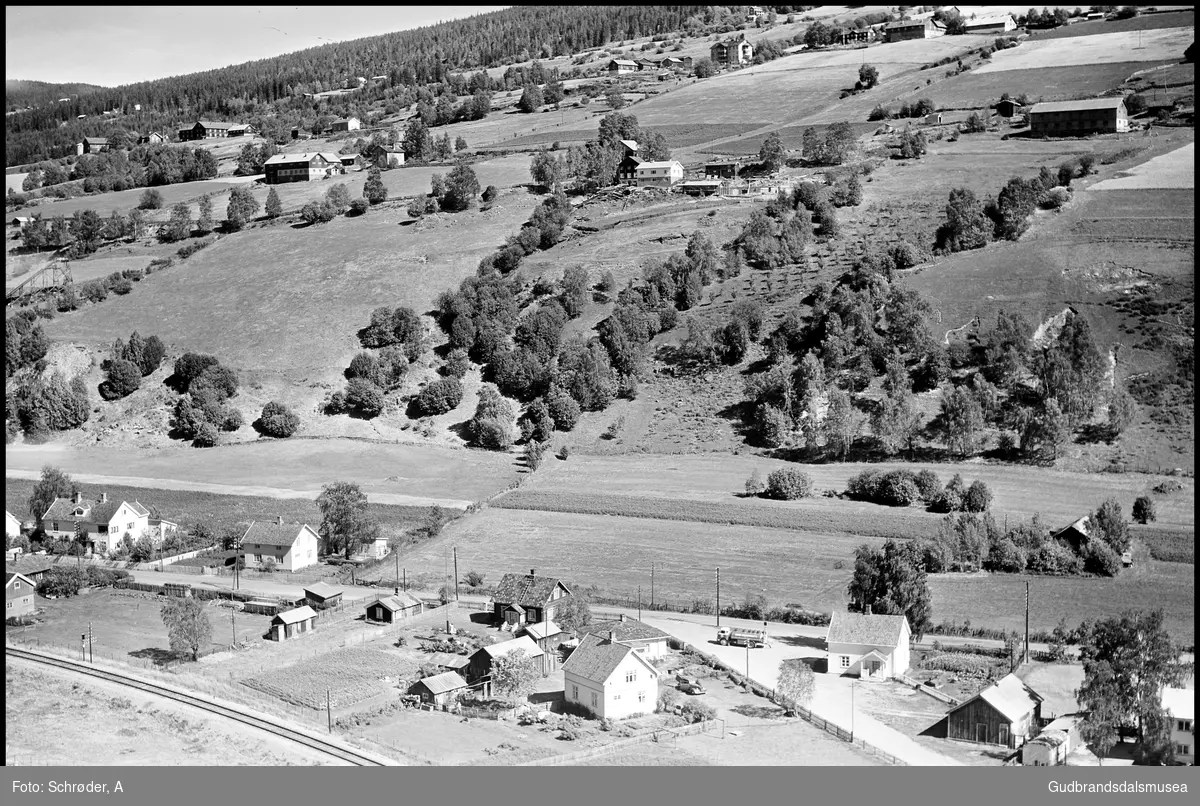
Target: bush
[
  {"x": 233, "y": 420},
  {"x": 493, "y": 433},
  {"x": 898, "y": 489},
  {"x": 1055, "y": 198},
  {"x": 364, "y": 397},
  {"x": 440, "y": 396},
  {"x": 564, "y": 411},
  {"x": 489, "y": 193},
  {"x": 1099, "y": 559},
  {"x": 474, "y": 579},
  {"x": 1054, "y": 559},
  {"x": 788, "y": 484},
  {"x": 1007, "y": 556},
  {"x": 928, "y": 485},
  {"x": 151, "y": 200},
  {"x": 360, "y": 206},
  {"x": 696, "y": 711},
  {"x": 124, "y": 378},
  {"x": 206, "y": 436},
  {"x": 978, "y": 497},
  {"x": 277, "y": 420},
  {"x": 959, "y": 663}
]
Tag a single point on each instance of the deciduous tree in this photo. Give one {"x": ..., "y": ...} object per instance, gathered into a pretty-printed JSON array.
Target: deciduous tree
[{"x": 188, "y": 628}]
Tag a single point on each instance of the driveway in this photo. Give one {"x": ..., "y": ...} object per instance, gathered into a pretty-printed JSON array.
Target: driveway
[{"x": 832, "y": 699}]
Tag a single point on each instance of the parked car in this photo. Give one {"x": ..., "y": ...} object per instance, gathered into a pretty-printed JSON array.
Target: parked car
[{"x": 692, "y": 688}]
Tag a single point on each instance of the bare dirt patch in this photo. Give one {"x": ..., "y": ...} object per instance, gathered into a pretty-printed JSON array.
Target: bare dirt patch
[{"x": 1175, "y": 170}]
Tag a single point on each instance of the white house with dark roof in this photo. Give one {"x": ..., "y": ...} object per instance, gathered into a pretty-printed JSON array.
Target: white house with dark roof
[
  {"x": 872, "y": 647},
  {"x": 649, "y": 642},
  {"x": 660, "y": 174},
  {"x": 102, "y": 524},
  {"x": 610, "y": 678},
  {"x": 290, "y": 547},
  {"x": 12, "y": 525}
]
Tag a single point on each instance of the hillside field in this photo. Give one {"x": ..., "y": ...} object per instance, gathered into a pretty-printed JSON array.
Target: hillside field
[{"x": 1162, "y": 45}]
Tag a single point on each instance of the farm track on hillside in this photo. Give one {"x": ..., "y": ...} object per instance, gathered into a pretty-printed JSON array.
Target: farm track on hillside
[{"x": 337, "y": 751}]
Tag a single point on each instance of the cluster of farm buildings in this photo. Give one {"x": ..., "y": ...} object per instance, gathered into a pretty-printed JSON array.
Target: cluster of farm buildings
[{"x": 610, "y": 668}]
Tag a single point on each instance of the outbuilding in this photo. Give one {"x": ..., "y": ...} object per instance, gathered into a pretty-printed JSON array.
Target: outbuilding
[
  {"x": 441, "y": 689},
  {"x": 323, "y": 595},
  {"x": 1006, "y": 713},
  {"x": 293, "y": 623},
  {"x": 1008, "y": 108},
  {"x": 393, "y": 608},
  {"x": 1070, "y": 118}
]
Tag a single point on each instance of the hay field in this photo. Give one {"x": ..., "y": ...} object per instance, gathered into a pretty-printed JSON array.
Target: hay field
[
  {"x": 1165, "y": 44},
  {"x": 790, "y": 88},
  {"x": 1173, "y": 17},
  {"x": 302, "y": 293},
  {"x": 1175, "y": 171}
]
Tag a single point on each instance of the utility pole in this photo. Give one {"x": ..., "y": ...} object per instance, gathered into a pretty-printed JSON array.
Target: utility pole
[
  {"x": 718, "y": 597},
  {"x": 233, "y": 624},
  {"x": 1027, "y": 621},
  {"x": 456, "y": 573},
  {"x": 91, "y": 652},
  {"x": 652, "y": 584},
  {"x": 405, "y": 579},
  {"x": 397, "y": 588},
  {"x": 639, "y": 602},
  {"x": 852, "y": 712},
  {"x": 329, "y": 710}
]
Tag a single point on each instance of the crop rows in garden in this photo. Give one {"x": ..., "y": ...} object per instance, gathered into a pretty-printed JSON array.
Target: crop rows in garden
[{"x": 349, "y": 675}]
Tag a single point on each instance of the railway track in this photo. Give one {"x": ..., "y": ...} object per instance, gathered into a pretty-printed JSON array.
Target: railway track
[{"x": 355, "y": 757}]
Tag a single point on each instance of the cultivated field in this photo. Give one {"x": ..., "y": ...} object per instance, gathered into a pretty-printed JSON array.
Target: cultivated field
[
  {"x": 61, "y": 719},
  {"x": 1145, "y": 22},
  {"x": 348, "y": 676},
  {"x": 126, "y": 626},
  {"x": 296, "y": 469},
  {"x": 1165, "y": 45},
  {"x": 1174, "y": 171}
]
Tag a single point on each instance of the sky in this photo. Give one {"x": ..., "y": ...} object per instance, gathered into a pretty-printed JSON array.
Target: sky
[{"x": 115, "y": 45}]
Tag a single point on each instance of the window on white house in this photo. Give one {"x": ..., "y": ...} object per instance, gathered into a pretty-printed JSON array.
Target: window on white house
[
  {"x": 630, "y": 677},
  {"x": 845, "y": 661},
  {"x": 575, "y": 693},
  {"x": 1183, "y": 750},
  {"x": 595, "y": 699},
  {"x": 18, "y": 584},
  {"x": 1183, "y": 723},
  {"x": 641, "y": 696},
  {"x": 616, "y": 696}
]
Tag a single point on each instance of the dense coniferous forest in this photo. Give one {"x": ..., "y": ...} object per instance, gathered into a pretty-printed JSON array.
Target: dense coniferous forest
[{"x": 415, "y": 58}]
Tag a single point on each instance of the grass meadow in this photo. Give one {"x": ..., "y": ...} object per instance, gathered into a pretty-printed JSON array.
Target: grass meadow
[
  {"x": 1144, "y": 22},
  {"x": 1162, "y": 45}
]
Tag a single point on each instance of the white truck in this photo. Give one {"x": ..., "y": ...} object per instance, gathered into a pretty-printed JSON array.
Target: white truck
[{"x": 742, "y": 636}]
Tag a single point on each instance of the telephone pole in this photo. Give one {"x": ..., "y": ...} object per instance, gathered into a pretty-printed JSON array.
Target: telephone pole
[
  {"x": 397, "y": 572},
  {"x": 639, "y": 602},
  {"x": 456, "y": 573},
  {"x": 652, "y": 584},
  {"x": 1027, "y": 621},
  {"x": 718, "y": 597}
]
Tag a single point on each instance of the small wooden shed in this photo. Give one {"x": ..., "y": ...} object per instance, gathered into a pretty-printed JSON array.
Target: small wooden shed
[
  {"x": 441, "y": 689},
  {"x": 293, "y": 623},
  {"x": 323, "y": 595},
  {"x": 390, "y": 609}
]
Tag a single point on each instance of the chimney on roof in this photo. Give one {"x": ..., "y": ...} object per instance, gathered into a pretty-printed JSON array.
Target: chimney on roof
[
  {"x": 103, "y": 498},
  {"x": 532, "y": 572},
  {"x": 77, "y": 498},
  {"x": 867, "y": 610},
  {"x": 279, "y": 520},
  {"x": 622, "y": 617},
  {"x": 612, "y": 637}
]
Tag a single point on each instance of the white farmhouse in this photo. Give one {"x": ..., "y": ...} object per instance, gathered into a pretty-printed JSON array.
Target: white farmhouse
[
  {"x": 289, "y": 547},
  {"x": 661, "y": 174},
  {"x": 869, "y": 646},
  {"x": 12, "y": 525},
  {"x": 610, "y": 678},
  {"x": 102, "y": 524},
  {"x": 651, "y": 642}
]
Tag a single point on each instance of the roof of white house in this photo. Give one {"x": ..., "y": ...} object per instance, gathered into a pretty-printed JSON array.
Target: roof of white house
[
  {"x": 624, "y": 62},
  {"x": 994, "y": 19},
  {"x": 1050, "y": 738},
  {"x": 867, "y": 628},
  {"x": 270, "y": 533},
  {"x": 626, "y": 629},
  {"x": 1180, "y": 703},
  {"x": 660, "y": 164},
  {"x": 505, "y": 647},
  {"x": 1010, "y": 696},
  {"x": 1064, "y": 723},
  {"x": 596, "y": 658},
  {"x": 280, "y": 159},
  {"x": 632, "y": 145},
  {"x": 297, "y": 615},
  {"x": 444, "y": 682},
  {"x": 1076, "y": 106},
  {"x": 396, "y": 602}
]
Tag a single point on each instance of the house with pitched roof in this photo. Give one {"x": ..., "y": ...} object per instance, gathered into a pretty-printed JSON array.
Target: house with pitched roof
[
  {"x": 547, "y": 635},
  {"x": 480, "y": 667},
  {"x": 12, "y": 525},
  {"x": 18, "y": 595},
  {"x": 610, "y": 678},
  {"x": 1069, "y": 118},
  {"x": 301, "y": 167},
  {"x": 649, "y": 642},
  {"x": 527, "y": 599},
  {"x": 660, "y": 174},
  {"x": 34, "y": 567},
  {"x": 345, "y": 125},
  {"x": 389, "y": 609},
  {"x": 290, "y": 547},
  {"x": 102, "y": 524},
  {"x": 322, "y": 595},
  {"x": 203, "y": 129},
  {"x": 94, "y": 145},
  {"x": 1007, "y": 713},
  {"x": 872, "y": 647},
  {"x": 618, "y": 67},
  {"x": 441, "y": 689},
  {"x": 153, "y": 138}
]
